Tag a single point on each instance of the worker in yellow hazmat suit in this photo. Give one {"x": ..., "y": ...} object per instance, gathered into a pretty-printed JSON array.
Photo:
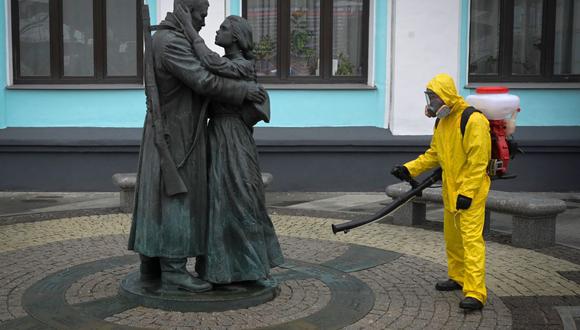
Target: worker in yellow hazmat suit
[{"x": 464, "y": 161}]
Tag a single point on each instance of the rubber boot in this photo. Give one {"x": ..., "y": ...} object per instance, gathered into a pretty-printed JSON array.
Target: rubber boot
[
  {"x": 448, "y": 285},
  {"x": 150, "y": 268},
  {"x": 471, "y": 304},
  {"x": 174, "y": 276}
]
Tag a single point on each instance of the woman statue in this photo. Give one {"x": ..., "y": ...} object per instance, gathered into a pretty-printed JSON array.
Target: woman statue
[{"x": 241, "y": 242}]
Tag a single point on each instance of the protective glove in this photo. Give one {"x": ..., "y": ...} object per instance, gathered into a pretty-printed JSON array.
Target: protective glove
[
  {"x": 463, "y": 203},
  {"x": 401, "y": 173}
]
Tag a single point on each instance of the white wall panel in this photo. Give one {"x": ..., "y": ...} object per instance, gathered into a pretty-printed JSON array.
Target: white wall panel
[
  {"x": 163, "y": 6},
  {"x": 426, "y": 42},
  {"x": 216, "y": 15}
]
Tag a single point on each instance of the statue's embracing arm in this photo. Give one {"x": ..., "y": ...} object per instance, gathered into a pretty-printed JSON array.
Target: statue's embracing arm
[
  {"x": 178, "y": 59},
  {"x": 220, "y": 65}
]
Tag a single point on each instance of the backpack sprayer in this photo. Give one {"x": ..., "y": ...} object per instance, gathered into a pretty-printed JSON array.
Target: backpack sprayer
[{"x": 501, "y": 109}]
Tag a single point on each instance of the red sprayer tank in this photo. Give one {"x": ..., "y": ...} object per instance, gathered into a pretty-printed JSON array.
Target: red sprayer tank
[{"x": 501, "y": 110}]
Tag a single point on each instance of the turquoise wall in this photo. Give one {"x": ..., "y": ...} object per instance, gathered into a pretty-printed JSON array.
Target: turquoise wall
[
  {"x": 327, "y": 108},
  {"x": 290, "y": 108},
  {"x": 235, "y": 7},
  {"x": 540, "y": 107},
  {"x": 312, "y": 108},
  {"x": 126, "y": 108},
  {"x": 69, "y": 108}
]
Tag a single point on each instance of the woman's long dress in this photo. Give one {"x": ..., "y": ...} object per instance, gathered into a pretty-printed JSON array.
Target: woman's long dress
[{"x": 241, "y": 241}]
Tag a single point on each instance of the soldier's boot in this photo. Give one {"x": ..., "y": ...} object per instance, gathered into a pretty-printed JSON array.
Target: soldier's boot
[
  {"x": 150, "y": 268},
  {"x": 174, "y": 276}
]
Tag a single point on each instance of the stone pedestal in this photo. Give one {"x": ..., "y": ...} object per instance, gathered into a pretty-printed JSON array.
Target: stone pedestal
[
  {"x": 534, "y": 233},
  {"x": 126, "y": 183},
  {"x": 411, "y": 214},
  {"x": 221, "y": 298}
]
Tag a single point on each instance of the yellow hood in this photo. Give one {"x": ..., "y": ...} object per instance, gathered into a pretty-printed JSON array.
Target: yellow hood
[{"x": 444, "y": 86}]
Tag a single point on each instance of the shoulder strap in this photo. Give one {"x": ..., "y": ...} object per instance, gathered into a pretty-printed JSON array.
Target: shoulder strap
[{"x": 465, "y": 118}]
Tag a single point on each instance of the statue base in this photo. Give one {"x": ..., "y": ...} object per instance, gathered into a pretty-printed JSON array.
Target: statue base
[{"x": 221, "y": 298}]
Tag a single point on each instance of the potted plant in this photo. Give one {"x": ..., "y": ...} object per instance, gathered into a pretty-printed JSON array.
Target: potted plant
[{"x": 264, "y": 51}]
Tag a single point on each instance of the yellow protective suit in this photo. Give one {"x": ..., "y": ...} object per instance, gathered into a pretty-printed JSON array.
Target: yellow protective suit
[{"x": 464, "y": 161}]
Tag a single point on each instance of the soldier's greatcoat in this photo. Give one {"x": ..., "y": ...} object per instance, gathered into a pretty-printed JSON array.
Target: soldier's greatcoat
[{"x": 176, "y": 226}]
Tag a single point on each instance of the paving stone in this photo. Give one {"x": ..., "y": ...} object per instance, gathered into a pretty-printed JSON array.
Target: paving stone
[{"x": 524, "y": 285}]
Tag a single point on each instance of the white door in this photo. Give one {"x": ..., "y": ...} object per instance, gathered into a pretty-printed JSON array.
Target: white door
[{"x": 425, "y": 42}]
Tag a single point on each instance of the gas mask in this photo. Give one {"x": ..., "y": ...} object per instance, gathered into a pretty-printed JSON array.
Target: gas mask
[{"x": 435, "y": 106}]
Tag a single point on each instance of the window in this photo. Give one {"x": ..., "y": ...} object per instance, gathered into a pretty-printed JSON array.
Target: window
[
  {"x": 77, "y": 41},
  {"x": 524, "y": 41},
  {"x": 310, "y": 41}
]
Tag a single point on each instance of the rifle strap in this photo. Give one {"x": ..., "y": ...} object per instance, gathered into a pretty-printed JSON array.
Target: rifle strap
[
  {"x": 202, "y": 116},
  {"x": 200, "y": 123}
]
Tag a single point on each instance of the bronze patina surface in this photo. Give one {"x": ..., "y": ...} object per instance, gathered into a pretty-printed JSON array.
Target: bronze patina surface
[{"x": 199, "y": 190}]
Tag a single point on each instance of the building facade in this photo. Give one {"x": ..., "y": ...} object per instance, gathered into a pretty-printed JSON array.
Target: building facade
[{"x": 346, "y": 80}]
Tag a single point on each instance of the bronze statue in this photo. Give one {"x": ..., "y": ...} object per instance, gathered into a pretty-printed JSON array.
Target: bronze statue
[
  {"x": 170, "y": 225},
  {"x": 242, "y": 243}
]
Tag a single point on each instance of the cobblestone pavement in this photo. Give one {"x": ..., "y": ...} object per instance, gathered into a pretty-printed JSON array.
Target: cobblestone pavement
[{"x": 528, "y": 289}]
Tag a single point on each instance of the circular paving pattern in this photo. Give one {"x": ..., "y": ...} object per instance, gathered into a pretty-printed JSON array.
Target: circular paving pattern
[
  {"x": 98, "y": 285},
  {"x": 297, "y": 299},
  {"x": 329, "y": 281},
  {"x": 323, "y": 284}
]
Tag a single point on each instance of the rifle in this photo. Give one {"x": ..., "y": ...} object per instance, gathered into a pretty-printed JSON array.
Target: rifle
[
  {"x": 169, "y": 174},
  {"x": 415, "y": 191}
]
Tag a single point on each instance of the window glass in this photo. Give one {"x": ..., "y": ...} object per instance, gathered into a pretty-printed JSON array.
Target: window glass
[
  {"x": 484, "y": 37},
  {"x": 289, "y": 36},
  {"x": 527, "y": 42},
  {"x": 263, "y": 17},
  {"x": 121, "y": 38},
  {"x": 34, "y": 24},
  {"x": 304, "y": 37},
  {"x": 78, "y": 40},
  {"x": 567, "y": 41},
  {"x": 347, "y": 18}
]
